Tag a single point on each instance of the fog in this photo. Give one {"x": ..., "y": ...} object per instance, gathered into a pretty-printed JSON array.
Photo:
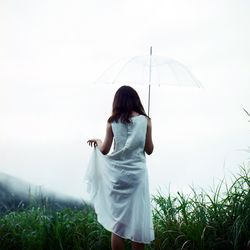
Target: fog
[
  {"x": 51, "y": 53},
  {"x": 196, "y": 142}
]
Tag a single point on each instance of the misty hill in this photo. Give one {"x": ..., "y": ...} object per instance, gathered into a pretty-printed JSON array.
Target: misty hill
[{"x": 16, "y": 193}]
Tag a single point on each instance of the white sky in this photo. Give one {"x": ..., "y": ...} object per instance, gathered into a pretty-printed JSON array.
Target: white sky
[{"x": 51, "y": 52}]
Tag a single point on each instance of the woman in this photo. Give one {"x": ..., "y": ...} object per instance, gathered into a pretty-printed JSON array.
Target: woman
[{"x": 118, "y": 182}]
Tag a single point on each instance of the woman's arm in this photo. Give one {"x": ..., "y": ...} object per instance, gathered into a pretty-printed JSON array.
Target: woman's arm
[
  {"x": 106, "y": 144},
  {"x": 149, "y": 146}
]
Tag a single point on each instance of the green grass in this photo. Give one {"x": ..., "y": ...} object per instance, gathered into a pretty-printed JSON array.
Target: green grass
[
  {"x": 37, "y": 228},
  {"x": 205, "y": 221},
  {"x": 200, "y": 220}
]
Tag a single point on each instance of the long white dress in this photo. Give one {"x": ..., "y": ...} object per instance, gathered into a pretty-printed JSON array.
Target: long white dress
[{"x": 118, "y": 183}]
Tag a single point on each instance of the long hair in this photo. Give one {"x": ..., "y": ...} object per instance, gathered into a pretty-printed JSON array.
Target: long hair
[{"x": 125, "y": 101}]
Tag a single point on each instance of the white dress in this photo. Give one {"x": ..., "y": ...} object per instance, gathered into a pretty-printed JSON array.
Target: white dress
[{"x": 118, "y": 183}]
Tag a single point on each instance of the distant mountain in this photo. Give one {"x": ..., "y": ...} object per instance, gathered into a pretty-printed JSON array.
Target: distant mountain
[{"x": 16, "y": 193}]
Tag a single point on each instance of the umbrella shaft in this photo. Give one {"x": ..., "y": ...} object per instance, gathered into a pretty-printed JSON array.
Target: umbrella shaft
[
  {"x": 149, "y": 87},
  {"x": 149, "y": 78}
]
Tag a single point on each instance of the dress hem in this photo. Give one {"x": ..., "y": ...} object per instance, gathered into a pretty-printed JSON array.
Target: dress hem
[{"x": 124, "y": 237}]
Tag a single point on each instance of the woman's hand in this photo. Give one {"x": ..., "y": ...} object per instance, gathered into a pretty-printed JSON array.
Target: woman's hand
[
  {"x": 104, "y": 146},
  {"x": 94, "y": 142}
]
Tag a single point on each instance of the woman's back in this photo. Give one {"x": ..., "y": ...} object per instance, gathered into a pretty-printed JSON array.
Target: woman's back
[{"x": 129, "y": 139}]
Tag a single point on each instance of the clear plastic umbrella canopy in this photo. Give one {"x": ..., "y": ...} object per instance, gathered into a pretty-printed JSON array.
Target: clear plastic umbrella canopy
[{"x": 149, "y": 70}]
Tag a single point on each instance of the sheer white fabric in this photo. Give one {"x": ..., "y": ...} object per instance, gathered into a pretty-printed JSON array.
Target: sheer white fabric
[{"x": 118, "y": 183}]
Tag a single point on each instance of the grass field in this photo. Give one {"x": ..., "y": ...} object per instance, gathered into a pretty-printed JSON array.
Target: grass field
[{"x": 218, "y": 220}]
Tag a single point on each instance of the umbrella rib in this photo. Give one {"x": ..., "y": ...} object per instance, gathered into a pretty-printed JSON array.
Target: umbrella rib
[
  {"x": 115, "y": 78},
  {"x": 198, "y": 84},
  {"x": 193, "y": 77},
  {"x": 107, "y": 69},
  {"x": 176, "y": 76}
]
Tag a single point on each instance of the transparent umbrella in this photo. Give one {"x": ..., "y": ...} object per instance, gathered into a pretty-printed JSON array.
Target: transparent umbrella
[{"x": 150, "y": 70}]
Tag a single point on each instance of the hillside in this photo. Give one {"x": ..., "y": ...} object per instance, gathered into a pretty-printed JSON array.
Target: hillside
[{"x": 16, "y": 193}]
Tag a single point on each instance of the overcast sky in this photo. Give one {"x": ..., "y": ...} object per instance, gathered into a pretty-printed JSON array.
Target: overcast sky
[{"x": 52, "y": 51}]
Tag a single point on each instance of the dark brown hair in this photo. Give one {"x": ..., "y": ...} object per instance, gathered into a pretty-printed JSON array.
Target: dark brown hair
[{"x": 126, "y": 100}]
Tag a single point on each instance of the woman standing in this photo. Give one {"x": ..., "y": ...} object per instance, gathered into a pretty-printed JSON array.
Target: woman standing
[{"x": 118, "y": 182}]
